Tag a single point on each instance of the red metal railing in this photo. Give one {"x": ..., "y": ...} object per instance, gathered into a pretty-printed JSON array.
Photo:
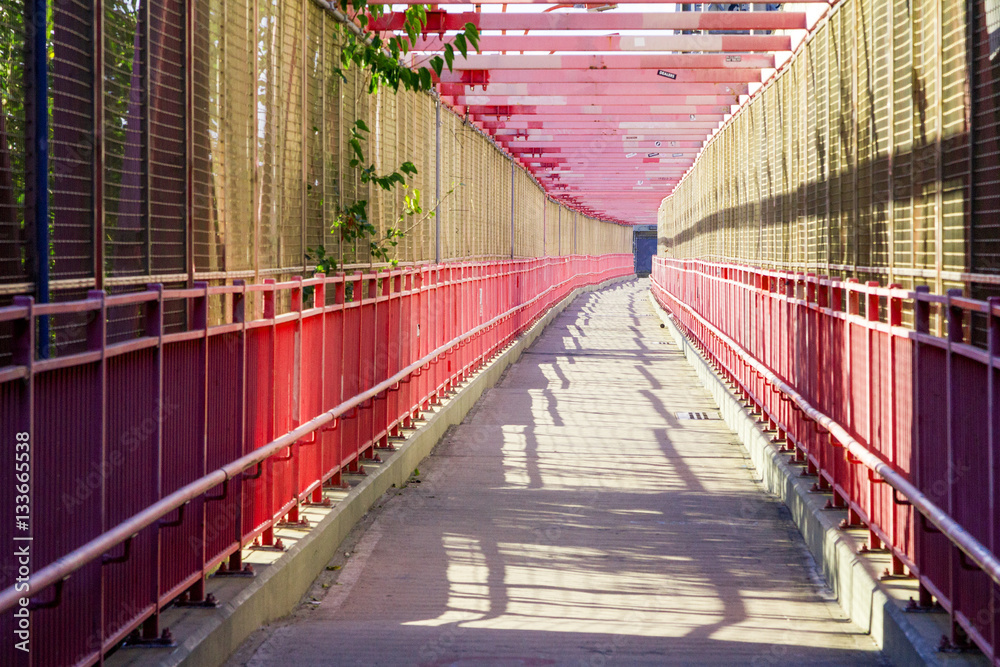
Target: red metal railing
[
  {"x": 156, "y": 459},
  {"x": 902, "y": 426}
]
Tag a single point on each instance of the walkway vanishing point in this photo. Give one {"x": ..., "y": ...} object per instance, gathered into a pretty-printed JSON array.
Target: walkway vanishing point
[{"x": 574, "y": 519}]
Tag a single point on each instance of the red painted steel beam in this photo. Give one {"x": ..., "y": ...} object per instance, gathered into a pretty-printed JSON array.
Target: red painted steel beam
[
  {"x": 593, "y": 147},
  {"x": 445, "y": 21},
  {"x": 615, "y": 43},
  {"x": 625, "y": 141},
  {"x": 549, "y": 2},
  {"x": 475, "y": 77},
  {"x": 651, "y": 88},
  {"x": 691, "y": 104},
  {"x": 551, "y": 162},
  {"x": 626, "y": 123},
  {"x": 594, "y": 167},
  {"x": 585, "y": 163},
  {"x": 608, "y": 177},
  {"x": 630, "y": 61},
  {"x": 606, "y": 153},
  {"x": 685, "y": 125},
  {"x": 649, "y": 135},
  {"x": 590, "y": 100},
  {"x": 645, "y": 149}
]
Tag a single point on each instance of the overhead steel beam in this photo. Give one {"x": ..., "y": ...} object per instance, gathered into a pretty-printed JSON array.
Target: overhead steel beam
[
  {"x": 649, "y": 135},
  {"x": 600, "y": 142},
  {"x": 613, "y": 43},
  {"x": 596, "y": 125},
  {"x": 644, "y": 148},
  {"x": 626, "y": 123},
  {"x": 651, "y": 88},
  {"x": 549, "y": 2},
  {"x": 664, "y": 97},
  {"x": 685, "y": 125},
  {"x": 691, "y": 104},
  {"x": 630, "y": 61},
  {"x": 446, "y": 21},
  {"x": 581, "y": 176},
  {"x": 477, "y": 77}
]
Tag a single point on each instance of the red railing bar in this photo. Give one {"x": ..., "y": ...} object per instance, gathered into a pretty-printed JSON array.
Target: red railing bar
[
  {"x": 128, "y": 299},
  {"x": 9, "y": 373},
  {"x": 83, "y": 306},
  {"x": 13, "y": 313},
  {"x": 44, "y": 365}
]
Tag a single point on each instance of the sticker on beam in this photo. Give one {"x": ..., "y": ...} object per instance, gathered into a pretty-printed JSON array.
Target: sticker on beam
[
  {"x": 734, "y": 59},
  {"x": 630, "y": 154},
  {"x": 697, "y": 415},
  {"x": 669, "y": 75},
  {"x": 652, "y": 155}
]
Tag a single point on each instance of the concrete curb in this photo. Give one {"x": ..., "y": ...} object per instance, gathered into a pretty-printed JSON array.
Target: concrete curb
[
  {"x": 852, "y": 578},
  {"x": 212, "y": 636}
]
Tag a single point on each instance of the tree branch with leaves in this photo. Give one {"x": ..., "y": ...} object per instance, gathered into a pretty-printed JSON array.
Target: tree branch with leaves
[{"x": 379, "y": 56}]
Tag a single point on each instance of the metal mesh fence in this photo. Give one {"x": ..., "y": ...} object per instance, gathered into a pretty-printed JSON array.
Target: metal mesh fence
[
  {"x": 874, "y": 153},
  {"x": 13, "y": 149}
]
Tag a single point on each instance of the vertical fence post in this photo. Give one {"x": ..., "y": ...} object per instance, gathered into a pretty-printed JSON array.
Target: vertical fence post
[
  {"x": 296, "y": 462},
  {"x": 97, "y": 340},
  {"x": 153, "y": 326},
  {"x": 39, "y": 124},
  {"x": 239, "y": 316},
  {"x": 954, "y": 315},
  {"x": 895, "y": 320},
  {"x": 871, "y": 315},
  {"x": 267, "y": 537},
  {"x": 437, "y": 180},
  {"x": 992, "y": 444},
  {"x": 512, "y": 173},
  {"x": 319, "y": 305},
  {"x": 922, "y": 325}
]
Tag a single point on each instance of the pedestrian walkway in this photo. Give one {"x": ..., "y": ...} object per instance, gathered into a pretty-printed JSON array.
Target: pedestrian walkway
[{"x": 575, "y": 519}]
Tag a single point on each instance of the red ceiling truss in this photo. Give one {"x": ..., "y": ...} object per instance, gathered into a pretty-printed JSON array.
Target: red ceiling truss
[{"x": 608, "y": 123}]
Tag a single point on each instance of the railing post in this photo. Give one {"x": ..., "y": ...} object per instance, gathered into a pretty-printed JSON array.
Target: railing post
[
  {"x": 992, "y": 444},
  {"x": 921, "y": 324},
  {"x": 97, "y": 339},
  {"x": 955, "y": 315},
  {"x": 296, "y": 462},
  {"x": 267, "y": 537},
  {"x": 235, "y": 563},
  {"x": 871, "y": 315},
  {"x": 895, "y": 320}
]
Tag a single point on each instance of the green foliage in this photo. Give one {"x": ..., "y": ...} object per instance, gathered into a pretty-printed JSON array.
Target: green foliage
[{"x": 380, "y": 56}]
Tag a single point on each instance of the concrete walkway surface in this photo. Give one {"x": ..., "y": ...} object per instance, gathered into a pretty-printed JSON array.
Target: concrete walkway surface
[{"x": 575, "y": 519}]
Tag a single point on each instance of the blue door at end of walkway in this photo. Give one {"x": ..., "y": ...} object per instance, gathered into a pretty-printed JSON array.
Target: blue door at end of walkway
[{"x": 645, "y": 248}]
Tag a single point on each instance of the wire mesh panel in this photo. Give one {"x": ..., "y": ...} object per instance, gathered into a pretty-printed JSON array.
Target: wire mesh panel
[
  {"x": 72, "y": 144},
  {"x": 167, "y": 138},
  {"x": 209, "y": 213},
  {"x": 954, "y": 131},
  {"x": 13, "y": 149},
  {"x": 876, "y": 147},
  {"x": 854, "y": 159},
  {"x": 984, "y": 241}
]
